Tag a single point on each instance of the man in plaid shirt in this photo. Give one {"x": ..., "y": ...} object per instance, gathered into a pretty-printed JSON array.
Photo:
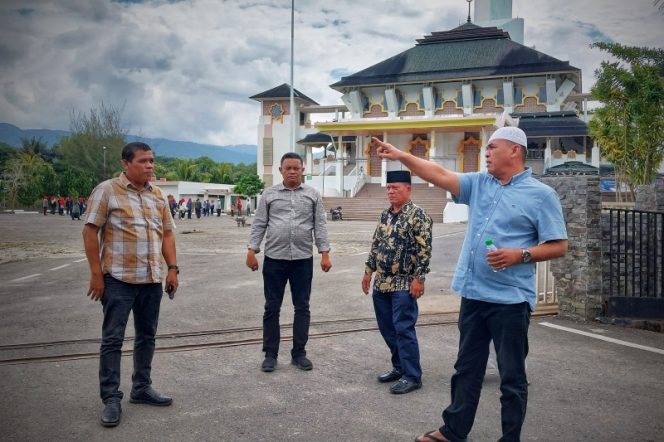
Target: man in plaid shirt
[{"x": 128, "y": 228}]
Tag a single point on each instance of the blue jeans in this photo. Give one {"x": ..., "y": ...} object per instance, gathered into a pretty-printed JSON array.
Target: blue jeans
[
  {"x": 276, "y": 273},
  {"x": 479, "y": 323},
  {"x": 119, "y": 299},
  {"x": 396, "y": 314}
]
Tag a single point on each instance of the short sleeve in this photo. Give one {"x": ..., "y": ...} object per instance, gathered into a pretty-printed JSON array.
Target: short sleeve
[
  {"x": 550, "y": 220},
  {"x": 466, "y": 184},
  {"x": 97, "y": 211}
]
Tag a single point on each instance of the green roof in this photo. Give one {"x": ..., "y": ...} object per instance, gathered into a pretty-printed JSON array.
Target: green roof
[{"x": 469, "y": 51}]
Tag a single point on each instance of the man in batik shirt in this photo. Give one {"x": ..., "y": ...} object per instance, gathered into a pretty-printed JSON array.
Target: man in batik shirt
[{"x": 400, "y": 255}]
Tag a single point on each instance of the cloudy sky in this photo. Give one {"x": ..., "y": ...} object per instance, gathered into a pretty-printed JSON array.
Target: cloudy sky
[{"x": 185, "y": 69}]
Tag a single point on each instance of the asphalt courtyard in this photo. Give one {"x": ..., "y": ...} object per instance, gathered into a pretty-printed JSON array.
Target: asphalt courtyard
[{"x": 589, "y": 382}]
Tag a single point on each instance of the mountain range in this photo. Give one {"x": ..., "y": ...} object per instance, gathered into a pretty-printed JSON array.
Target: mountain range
[{"x": 234, "y": 153}]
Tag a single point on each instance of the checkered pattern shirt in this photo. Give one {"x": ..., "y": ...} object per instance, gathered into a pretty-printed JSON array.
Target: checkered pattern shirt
[{"x": 132, "y": 223}]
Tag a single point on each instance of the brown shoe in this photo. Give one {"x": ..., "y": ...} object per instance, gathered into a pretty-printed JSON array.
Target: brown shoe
[{"x": 429, "y": 437}]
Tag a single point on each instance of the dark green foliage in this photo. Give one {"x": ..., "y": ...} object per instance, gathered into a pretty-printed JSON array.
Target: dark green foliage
[
  {"x": 249, "y": 185},
  {"x": 630, "y": 126}
]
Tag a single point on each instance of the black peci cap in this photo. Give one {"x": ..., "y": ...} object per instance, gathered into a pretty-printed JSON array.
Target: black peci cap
[{"x": 398, "y": 176}]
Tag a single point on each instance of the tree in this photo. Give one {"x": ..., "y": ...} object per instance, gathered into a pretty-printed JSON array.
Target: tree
[
  {"x": 14, "y": 177},
  {"x": 84, "y": 150},
  {"x": 222, "y": 174},
  {"x": 32, "y": 188},
  {"x": 6, "y": 152},
  {"x": 36, "y": 146},
  {"x": 630, "y": 126},
  {"x": 186, "y": 170},
  {"x": 249, "y": 185}
]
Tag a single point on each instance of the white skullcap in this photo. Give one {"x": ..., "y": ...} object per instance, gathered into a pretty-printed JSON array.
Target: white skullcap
[{"x": 510, "y": 133}]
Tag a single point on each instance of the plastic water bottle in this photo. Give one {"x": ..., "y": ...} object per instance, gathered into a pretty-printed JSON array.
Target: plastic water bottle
[{"x": 490, "y": 247}]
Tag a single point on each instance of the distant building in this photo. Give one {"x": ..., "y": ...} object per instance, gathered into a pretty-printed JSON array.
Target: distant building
[
  {"x": 439, "y": 100},
  {"x": 203, "y": 191}
]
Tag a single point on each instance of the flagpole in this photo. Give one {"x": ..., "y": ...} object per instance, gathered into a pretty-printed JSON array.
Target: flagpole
[{"x": 292, "y": 94}]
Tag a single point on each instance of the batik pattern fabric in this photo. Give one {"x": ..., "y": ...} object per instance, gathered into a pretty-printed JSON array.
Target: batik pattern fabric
[{"x": 401, "y": 248}]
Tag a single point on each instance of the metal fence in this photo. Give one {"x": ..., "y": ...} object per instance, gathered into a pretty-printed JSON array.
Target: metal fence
[
  {"x": 635, "y": 254},
  {"x": 545, "y": 289}
]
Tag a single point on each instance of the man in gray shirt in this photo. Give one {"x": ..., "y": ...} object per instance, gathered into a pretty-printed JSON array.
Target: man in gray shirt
[{"x": 289, "y": 213}]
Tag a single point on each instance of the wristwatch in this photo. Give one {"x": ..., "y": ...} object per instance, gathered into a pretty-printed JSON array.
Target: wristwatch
[
  {"x": 174, "y": 267},
  {"x": 525, "y": 255}
]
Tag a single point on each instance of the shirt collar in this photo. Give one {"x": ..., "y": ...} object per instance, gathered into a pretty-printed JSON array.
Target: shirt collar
[
  {"x": 404, "y": 209},
  {"x": 527, "y": 173},
  {"x": 127, "y": 184},
  {"x": 281, "y": 186}
]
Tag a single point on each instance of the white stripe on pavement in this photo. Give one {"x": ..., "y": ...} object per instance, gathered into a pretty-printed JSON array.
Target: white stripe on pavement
[
  {"x": 604, "y": 338},
  {"x": 449, "y": 234},
  {"x": 81, "y": 260},
  {"x": 59, "y": 267},
  {"x": 25, "y": 277}
]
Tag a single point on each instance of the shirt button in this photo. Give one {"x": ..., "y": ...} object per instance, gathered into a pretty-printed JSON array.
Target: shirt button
[{"x": 478, "y": 234}]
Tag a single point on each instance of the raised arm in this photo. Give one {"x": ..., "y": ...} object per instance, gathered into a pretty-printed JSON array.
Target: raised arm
[{"x": 428, "y": 171}]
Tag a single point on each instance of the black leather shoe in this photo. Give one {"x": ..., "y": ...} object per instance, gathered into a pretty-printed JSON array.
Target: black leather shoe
[
  {"x": 269, "y": 363},
  {"x": 150, "y": 397},
  {"x": 389, "y": 376},
  {"x": 110, "y": 417},
  {"x": 404, "y": 386},
  {"x": 302, "y": 363}
]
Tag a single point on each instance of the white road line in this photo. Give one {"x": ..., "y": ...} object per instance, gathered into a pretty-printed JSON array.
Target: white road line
[
  {"x": 81, "y": 260},
  {"x": 604, "y": 338},
  {"x": 449, "y": 234},
  {"x": 26, "y": 277},
  {"x": 59, "y": 267},
  {"x": 358, "y": 254}
]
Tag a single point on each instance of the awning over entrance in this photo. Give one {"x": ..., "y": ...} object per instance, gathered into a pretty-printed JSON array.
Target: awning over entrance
[
  {"x": 319, "y": 139},
  {"x": 367, "y": 126},
  {"x": 552, "y": 124}
]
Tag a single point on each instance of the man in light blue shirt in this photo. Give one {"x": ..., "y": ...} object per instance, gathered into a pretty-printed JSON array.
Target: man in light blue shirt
[{"x": 524, "y": 219}]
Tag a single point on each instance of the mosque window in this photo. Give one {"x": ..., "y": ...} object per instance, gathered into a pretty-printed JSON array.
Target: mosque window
[
  {"x": 439, "y": 98},
  {"x": 518, "y": 95},
  {"x": 477, "y": 101},
  {"x": 500, "y": 99},
  {"x": 542, "y": 94}
]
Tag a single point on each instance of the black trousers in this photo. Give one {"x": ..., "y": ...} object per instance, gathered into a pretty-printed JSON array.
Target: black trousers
[
  {"x": 479, "y": 323},
  {"x": 120, "y": 298},
  {"x": 298, "y": 273}
]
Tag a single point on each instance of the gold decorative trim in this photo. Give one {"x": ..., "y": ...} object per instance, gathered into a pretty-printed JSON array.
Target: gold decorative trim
[
  {"x": 282, "y": 111},
  {"x": 461, "y": 148}
]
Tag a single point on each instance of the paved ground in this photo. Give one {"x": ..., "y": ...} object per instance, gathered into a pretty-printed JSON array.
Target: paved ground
[{"x": 582, "y": 388}]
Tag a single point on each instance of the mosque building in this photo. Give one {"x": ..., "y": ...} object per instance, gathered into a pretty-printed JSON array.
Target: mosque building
[{"x": 439, "y": 100}]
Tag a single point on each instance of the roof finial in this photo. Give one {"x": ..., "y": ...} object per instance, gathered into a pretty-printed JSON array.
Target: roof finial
[{"x": 469, "y": 2}]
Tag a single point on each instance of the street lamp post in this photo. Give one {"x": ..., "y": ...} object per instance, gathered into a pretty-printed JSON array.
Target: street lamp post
[{"x": 104, "y": 149}]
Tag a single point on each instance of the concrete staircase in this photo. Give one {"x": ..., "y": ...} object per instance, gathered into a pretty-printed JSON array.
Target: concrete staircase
[{"x": 372, "y": 200}]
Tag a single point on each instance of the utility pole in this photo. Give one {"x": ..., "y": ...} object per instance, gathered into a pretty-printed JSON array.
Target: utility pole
[
  {"x": 104, "y": 149},
  {"x": 292, "y": 93}
]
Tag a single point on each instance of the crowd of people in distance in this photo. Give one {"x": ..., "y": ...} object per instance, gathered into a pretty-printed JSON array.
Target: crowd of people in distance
[
  {"x": 69, "y": 206},
  {"x": 183, "y": 209}
]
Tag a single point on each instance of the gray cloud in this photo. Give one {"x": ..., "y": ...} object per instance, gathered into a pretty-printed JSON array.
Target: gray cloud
[{"x": 185, "y": 69}]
